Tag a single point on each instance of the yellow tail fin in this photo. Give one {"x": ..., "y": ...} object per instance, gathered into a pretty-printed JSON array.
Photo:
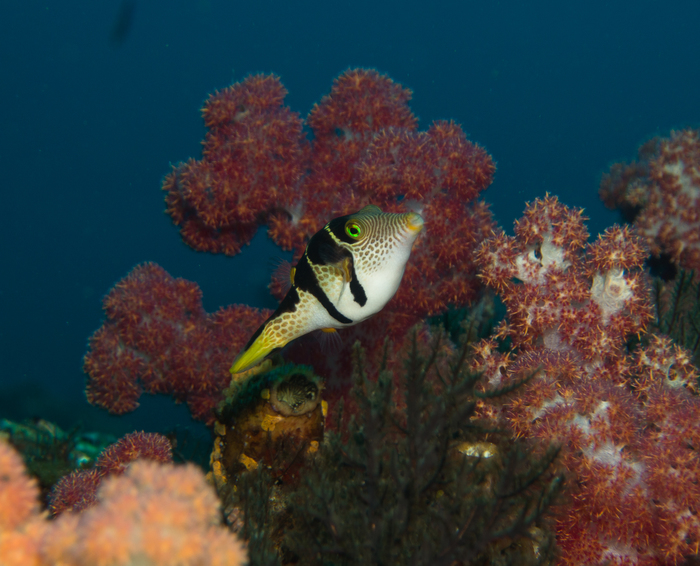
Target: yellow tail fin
[{"x": 252, "y": 355}]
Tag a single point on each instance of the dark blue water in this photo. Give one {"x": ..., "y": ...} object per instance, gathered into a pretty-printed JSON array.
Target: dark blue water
[{"x": 90, "y": 121}]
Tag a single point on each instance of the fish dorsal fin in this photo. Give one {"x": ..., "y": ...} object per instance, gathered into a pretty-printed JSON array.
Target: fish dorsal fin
[{"x": 370, "y": 209}]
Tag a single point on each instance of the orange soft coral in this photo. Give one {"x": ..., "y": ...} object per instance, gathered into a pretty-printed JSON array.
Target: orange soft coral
[
  {"x": 154, "y": 514},
  {"x": 20, "y": 523},
  {"x": 18, "y": 492}
]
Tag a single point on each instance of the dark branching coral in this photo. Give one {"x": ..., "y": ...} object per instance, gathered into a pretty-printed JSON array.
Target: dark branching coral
[
  {"x": 471, "y": 323},
  {"x": 408, "y": 478},
  {"x": 678, "y": 310}
]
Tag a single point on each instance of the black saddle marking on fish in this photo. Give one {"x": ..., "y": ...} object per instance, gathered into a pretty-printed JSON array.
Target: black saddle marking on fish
[
  {"x": 305, "y": 279},
  {"x": 328, "y": 252},
  {"x": 324, "y": 250},
  {"x": 337, "y": 227},
  {"x": 356, "y": 288}
]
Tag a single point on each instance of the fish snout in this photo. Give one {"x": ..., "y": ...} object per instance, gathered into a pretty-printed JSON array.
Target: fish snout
[{"x": 414, "y": 222}]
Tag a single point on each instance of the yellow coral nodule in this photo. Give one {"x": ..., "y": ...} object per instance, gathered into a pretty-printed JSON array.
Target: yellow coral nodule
[
  {"x": 270, "y": 422},
  {"x": 248, "y": 462},
  {"x": 218, "y": 473},
  {"x": 219, "y": 428}
]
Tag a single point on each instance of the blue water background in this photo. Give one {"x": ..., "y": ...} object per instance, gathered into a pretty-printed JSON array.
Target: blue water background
[{"x": 555, "y": 91}]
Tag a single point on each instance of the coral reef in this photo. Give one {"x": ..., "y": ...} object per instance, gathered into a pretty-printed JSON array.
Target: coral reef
[
  {"x": 50, "y": 452},
  {"x": 660, "y": 193},
  {"x": 628, "y": 423},
  {"x": 398, "y": 447},
  {"x": 555, "y": 296},
  {"x": 409, "y": 478},
  {"x": 78, "y": 490},
  {"x": 257, "y": 167},
  {"x": 158, "y": 338},
  {"x": 678, "y": 311},
  {"x": 152, "y": 515},
  {"x": 253, "y": 159}
]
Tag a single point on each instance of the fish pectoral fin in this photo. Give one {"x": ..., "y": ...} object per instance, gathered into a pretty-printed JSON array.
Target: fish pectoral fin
[
  {"x": 346, "y": 269},
  {"x": 343, "y": 268}
]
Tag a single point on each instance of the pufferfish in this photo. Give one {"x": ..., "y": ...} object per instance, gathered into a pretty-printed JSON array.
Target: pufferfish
[{"x": 348, "y": 272}]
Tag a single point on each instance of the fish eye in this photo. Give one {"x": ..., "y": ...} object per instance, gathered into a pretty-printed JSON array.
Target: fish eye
[{"x": 353, "y": 229}]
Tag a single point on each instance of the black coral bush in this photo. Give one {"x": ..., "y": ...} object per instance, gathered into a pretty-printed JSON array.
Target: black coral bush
[{"x": 408, "y": 476}]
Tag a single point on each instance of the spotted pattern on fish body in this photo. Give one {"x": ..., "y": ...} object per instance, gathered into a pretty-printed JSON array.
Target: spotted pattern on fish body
[{"x": 350, "y": 269}]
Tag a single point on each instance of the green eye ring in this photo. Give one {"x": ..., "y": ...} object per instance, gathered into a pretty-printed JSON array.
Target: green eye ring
[{"x": 353, "y": 229}]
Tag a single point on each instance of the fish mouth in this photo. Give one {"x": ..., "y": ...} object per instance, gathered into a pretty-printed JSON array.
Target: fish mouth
[{"x": 414, "y": 222}]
